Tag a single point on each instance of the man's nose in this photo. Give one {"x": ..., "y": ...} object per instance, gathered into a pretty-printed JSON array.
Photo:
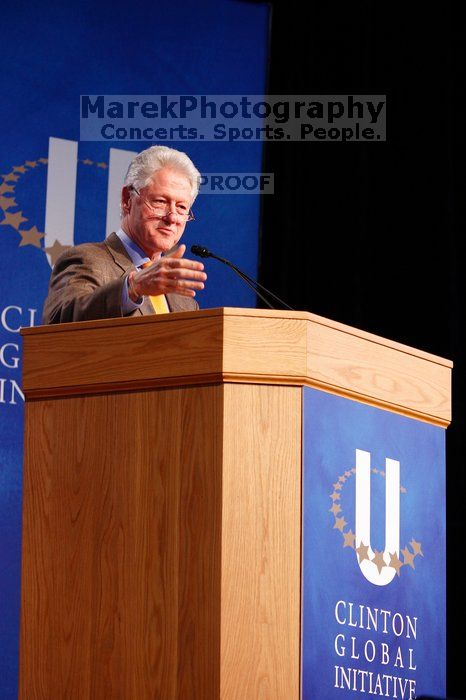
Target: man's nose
[{"x": 171, "y": 213}]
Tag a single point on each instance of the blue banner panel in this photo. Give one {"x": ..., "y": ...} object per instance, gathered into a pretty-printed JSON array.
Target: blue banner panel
[
  {"x": 373, "y": 552},
  {"x": 56, "y": 191}
]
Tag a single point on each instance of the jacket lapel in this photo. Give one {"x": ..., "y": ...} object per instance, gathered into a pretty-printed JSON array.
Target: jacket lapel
[
  {"x": 118, "y": 252},
  {"x": 121, "y": 258}
]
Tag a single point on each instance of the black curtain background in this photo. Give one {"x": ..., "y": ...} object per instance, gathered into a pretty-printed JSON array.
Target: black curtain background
[{"x": 372, "y": 234}]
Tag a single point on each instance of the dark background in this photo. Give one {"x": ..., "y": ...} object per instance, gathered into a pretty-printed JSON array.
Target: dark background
[{"x": 372, "y": 234}]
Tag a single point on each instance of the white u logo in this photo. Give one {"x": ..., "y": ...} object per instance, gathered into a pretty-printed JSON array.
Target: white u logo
[{"x": 363, "y": 517}]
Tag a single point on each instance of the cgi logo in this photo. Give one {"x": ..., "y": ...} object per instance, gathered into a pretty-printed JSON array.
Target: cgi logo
[{"x": 378, "y": 567}]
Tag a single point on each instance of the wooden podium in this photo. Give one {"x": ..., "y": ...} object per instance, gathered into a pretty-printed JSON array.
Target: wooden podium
[{"x": 162, "y": 496}]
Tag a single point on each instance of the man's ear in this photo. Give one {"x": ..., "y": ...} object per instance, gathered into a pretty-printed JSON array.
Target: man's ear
[{"x": 126, "y": 199}]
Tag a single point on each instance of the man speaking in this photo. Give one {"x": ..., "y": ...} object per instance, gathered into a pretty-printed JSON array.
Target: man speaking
[{"x": 139, "y": 269}]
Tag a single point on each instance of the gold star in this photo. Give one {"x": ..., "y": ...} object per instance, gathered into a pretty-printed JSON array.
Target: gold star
[
  {"x": 408, "y": 557},
  {"x": 340, "y": 524},
  {"x": 10, "y": 177},
  {"x": 335, "y": 496},
  {"x": 31, "y": 237},
  {"x": 382, "y": 473},
  {"x": 354, "y": 470},
  {"x": 31, "y": 163},
  {"x": 348, "y": 539},
  {"x": 19, "y": 169},
  {"x": 14, "y": 220},
  {"x": 362, "y": 552},
  {"x": 43, "y": 160},
  {"x": 7, "y": 202},
  {"x": 102, "y": 165},
  {"x": 379, "y": 560},
  {"x": 347, "y": 474},
  {"x": 337, "y": 486},
  {"x": 6, "y": 188},
  {"x": 342, "y": 479},
  {"x": 395, "y": 562},
  {"x": 402, "y": 489},
  {"x": 336, "y": 508},
  {"x": 417, "y": 547},
  {"x": 375, "y": 471},
  {"x": 56, "y": 250},
  {"x": 87, "y": 162}
]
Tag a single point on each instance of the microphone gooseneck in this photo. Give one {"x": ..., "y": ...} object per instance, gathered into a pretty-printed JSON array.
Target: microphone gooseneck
[{"x": 204, "y": 252}]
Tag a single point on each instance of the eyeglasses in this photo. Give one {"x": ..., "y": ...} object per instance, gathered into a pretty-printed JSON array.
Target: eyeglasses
[{"x": 161, "y": 208}]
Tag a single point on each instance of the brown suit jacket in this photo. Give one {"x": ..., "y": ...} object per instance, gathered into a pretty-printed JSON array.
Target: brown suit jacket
[{"x": 87, "y": 281}]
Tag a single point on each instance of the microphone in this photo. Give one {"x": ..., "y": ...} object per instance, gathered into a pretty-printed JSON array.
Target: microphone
[
  {"x": 200, "y": 251},
  {"x": 203, "y": 252}
]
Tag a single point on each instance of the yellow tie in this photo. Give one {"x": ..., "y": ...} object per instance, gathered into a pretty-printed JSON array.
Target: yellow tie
[{"x": 158, "y": 302}]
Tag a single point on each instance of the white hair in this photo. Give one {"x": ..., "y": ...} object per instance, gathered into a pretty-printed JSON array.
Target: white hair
[{"x": 145, "y": 164}]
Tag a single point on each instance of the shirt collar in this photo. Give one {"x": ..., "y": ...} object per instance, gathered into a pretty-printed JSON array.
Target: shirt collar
[{"x": 138, "y": 257}]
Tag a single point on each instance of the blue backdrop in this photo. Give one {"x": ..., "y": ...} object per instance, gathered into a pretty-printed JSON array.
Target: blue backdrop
[{"x": 52, "y": 53}]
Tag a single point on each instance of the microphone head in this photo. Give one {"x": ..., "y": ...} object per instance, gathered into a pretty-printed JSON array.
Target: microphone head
[{"x": 201, "y": 251}]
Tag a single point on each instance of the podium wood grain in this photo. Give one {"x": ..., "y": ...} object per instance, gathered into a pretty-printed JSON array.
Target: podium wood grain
[
  {"x": 126, "y": 539},
  {"x": 162, "y": 496},
  {"x": 147, "y": 574},
  {"x": 237, "y": 345},
  {"x": 261, "y": 560}
]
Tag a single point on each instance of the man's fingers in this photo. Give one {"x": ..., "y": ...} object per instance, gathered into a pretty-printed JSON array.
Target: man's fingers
[
  {"x": 186, "y": 273},
  {"x": 186, "y": 293},
  {"x": 187, "y": 284},
  {"x": 186, "y": 281},
  {"x": 171, "y": 263},
  {"x": 173, "y": 274},
  {"x": 179, "y": 252}
]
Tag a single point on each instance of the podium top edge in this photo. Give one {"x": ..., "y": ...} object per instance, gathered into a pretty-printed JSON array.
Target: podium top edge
[{"x": 223, "y": 312}]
